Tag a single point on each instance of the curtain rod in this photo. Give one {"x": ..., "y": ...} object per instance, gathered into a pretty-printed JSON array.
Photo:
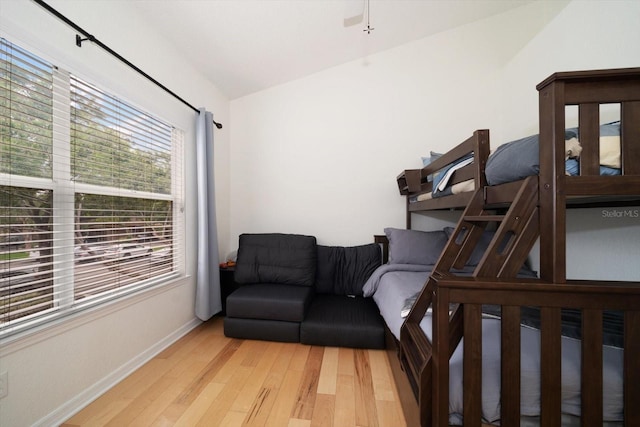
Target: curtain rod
[{"x": 91, "y": 38}]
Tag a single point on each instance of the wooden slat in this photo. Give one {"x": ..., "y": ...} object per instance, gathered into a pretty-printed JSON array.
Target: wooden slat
[
  {"x": 631, "y": 368},
  {"x": 440, "y": 359},
  {"x": 484, "y": 218},
  {"x": 503, "y": 194},
  {"x": 591, "y": 387},
  {"x": 510, "y": 366},
  {"x": 602, "y": 92},
  {"x": 625, "y": 185},
  {"x": 550, "y": 367},
  {"x": 590, "y": 139},
  {"x": 472, "y": 365},
  {"x": 455, "y": 201},
  {"x": 630, "y": 137}
]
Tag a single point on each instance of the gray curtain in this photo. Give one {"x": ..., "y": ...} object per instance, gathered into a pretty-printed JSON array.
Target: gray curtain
[{"x": 208, "y": 301}]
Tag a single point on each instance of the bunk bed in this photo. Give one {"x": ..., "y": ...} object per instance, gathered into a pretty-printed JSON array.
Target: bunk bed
[{"x": 454, "y": 296}]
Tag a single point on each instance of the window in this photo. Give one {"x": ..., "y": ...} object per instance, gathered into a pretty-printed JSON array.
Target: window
[{"x": 90, "y": 194}]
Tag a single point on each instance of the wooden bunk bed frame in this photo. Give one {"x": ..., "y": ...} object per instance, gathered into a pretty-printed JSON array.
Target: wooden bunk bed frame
[{"x": 536, "y": 208}]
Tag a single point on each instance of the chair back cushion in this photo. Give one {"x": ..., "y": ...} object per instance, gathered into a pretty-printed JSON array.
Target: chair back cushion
[
  {"x": 344, "y": 270},
  {"x": 288, "y": 259}
]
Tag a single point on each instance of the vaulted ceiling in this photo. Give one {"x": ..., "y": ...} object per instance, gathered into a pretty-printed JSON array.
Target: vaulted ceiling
[{"x": 244, "y": 46}]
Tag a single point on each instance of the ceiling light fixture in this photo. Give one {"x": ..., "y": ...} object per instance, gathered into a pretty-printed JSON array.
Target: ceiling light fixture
[{"x": 368, "y": 29}]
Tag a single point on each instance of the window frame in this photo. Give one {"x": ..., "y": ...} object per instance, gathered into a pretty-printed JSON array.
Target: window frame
[{"x": 63, "y": 218}]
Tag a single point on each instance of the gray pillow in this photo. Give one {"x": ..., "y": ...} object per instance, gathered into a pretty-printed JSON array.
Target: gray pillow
[{"x": 415, "y": 247}]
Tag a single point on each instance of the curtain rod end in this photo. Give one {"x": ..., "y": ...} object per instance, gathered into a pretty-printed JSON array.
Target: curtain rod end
[{"x": 218, "y": 125}]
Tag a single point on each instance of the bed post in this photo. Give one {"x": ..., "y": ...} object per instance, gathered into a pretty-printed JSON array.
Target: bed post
[{"x": 552, "y": 195}]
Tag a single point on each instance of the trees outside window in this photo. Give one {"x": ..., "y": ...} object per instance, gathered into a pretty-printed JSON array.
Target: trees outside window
[{"x": 90, "y": 188}]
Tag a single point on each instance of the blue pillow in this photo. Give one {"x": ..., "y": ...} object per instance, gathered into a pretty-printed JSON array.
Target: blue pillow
[
  {"x": 426, "y": 161},
  {"x": 573, "y": 168}
]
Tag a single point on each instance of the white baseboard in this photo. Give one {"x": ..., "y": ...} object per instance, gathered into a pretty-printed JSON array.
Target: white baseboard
[{"x": 67, "y": 410}]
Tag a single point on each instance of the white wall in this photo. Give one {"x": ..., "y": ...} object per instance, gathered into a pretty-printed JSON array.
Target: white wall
[
  {"x": 316, "y": 156},
  {"x": 585, "y": 35},
  {"x": 59, "y": 370},
  {"x": 320, "y": 155}
]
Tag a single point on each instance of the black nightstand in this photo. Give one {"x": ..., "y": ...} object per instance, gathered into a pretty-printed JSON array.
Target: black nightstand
[{"x": 227, "y": 285}]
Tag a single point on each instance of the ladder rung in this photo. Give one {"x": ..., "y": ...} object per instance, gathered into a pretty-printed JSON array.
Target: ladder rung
[{"x": 483, "y": 218}]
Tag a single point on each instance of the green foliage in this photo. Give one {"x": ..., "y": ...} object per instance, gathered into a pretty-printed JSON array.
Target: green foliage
[
  {"x": 112, "y": 146},
  {"x": 26, "y": 111}
]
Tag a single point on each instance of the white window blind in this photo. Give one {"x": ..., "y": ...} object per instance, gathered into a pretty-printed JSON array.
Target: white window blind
[{"x": 90, "y": 194}]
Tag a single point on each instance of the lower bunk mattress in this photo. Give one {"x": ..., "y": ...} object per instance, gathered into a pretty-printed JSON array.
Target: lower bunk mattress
[{"x": 394, "y": 286}]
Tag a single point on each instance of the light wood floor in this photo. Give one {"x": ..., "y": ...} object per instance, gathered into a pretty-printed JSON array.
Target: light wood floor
[{"x": 207, "y": 379}]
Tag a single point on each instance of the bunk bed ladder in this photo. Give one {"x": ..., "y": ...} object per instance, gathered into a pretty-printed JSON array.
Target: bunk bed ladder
[{"x": 506, "y": 253}]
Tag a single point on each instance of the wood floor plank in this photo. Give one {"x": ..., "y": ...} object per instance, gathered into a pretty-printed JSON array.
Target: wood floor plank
[
  {"x": 209, "y": 348},
  {"x": 198, "y": 381},
  {"x": 307, "y": 392},
  {"x": 388, "y": 414},
  {"x": 365, "y": 406},
  {"x": 244, "y": 347},
  {"x": 149, "y": 395},
  {"x": 119, "y": 396},
  {"x": 232, "y": 419},
  {"x": 222, "y": 405},
  {"x": 345, "y": 414},
  {"x": 254, "y": 385},
  {"x": 109, "y": 411},
  {"x": 206, "y": 379},
  {"x": 299, "y": 360},
  {"x": 295, "y": 422},
  {"x": 383, "y": 384},
  {"x": 323, "y": 411},
  {"x": 345, "y": 361},
  {"x": 262, "y": 406},
  {"x": 328, "y": 371},
  {"x": 171, "y": 388},
  {"x": 206, "y": 375},
  {"x": 187, "y": 361},
  {"x": 191, "y": 339},
  {"x": 200, "y": 405},
  {"x": 285, "y": 399},
  {"x": 254, "y": 354}
]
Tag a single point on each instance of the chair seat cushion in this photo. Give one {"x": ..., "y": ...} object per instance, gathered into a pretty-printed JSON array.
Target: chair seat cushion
[
  {"x": 342, "y": 321},
  {"x": 270, "y": 301}
]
